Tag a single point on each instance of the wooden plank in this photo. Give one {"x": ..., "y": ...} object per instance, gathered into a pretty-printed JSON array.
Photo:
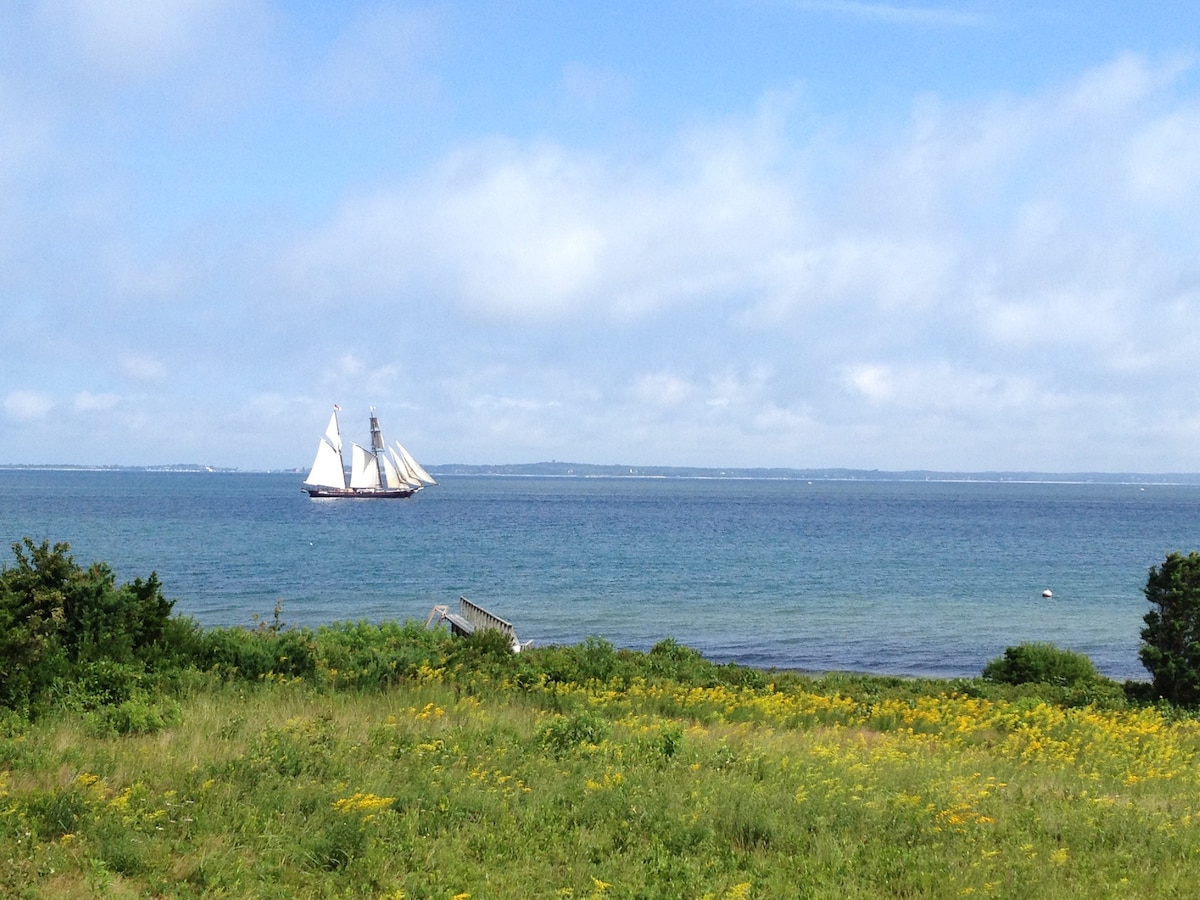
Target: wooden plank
[
  {"x": 458, "y": 624},
  {"x": 481, "y": 618}
]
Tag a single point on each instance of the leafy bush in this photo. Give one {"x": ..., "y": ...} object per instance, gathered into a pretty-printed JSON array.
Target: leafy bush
[
  {"x": 670, "y": 659},
  {"x": 337, "y": 844},
  {"x": 250, "y": 654},
  {"x": 140, "y": 714},
  {"x": 670, "y": 739},
  {"x": 1171, "y": 639},
  {"x": 363, "y": 655},
  {"x": 565, "y": 733},
  {"x": 595, "y": 660},
  {"x": 63, "y": 627},
  {"x": 1040, "y": 663},
  {"x": 486, "y": 651},
  {"x": 58, "y": 812}
]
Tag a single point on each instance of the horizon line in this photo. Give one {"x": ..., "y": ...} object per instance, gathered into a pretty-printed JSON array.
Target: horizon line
[{"x": 660, "y": 470}]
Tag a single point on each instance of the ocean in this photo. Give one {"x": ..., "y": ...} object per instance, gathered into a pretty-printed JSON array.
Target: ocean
[{"x": 886, "y": 577}]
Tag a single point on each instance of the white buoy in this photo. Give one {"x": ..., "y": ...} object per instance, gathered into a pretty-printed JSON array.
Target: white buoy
[{"x": 1047, "y": 593}]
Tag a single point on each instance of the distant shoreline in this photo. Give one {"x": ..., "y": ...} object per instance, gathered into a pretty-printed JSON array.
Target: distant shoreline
[{"x": 556, "y": 469}]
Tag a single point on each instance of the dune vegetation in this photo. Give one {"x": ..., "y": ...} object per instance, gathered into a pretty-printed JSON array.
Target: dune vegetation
[{"x": 391, "y": 761}]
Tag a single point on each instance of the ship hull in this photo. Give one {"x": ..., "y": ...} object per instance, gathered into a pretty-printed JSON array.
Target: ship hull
[
  {"x": 360, "y": 493},
  {"x": 380, "y": 473}
]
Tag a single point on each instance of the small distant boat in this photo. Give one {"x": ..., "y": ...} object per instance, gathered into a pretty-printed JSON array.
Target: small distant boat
[{"x": 382, "y": 472}]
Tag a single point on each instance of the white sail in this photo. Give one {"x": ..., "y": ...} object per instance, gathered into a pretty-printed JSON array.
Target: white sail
[
  {"x": 377, "y": 472},
  {"x": 389, "y": 470},
  {"x": 406, "y": 474},
  {"x": 332, "y": 433},
  {"x": 363, "y": 471},
  {"x": 414, "y": 466},
  {"x": 327, "y": 467}
]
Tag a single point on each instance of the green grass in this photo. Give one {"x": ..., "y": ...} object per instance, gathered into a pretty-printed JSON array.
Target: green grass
[{"x": 421, "y": 767}]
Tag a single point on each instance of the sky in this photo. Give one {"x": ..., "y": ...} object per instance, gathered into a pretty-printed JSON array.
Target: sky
[{"x": 802, "y": 233}]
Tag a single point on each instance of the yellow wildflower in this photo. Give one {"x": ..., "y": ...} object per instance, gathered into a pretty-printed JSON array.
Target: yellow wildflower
[{"x": 363, "y": 803}]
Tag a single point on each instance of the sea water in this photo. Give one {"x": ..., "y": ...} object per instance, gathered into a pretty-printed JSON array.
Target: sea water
[{"x": 890, "y": 577}]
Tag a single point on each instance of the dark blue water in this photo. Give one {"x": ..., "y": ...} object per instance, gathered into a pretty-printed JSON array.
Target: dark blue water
[{"x": 887, "y": 577}]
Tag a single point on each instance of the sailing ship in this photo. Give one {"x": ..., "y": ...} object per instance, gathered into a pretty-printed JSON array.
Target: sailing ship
[{"x": 381, "y": 472}]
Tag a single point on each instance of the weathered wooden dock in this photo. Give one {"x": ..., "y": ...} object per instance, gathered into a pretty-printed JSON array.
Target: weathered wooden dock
[{"x": 472, "y": 617}]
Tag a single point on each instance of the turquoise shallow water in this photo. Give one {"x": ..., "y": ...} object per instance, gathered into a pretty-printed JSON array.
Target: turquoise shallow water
[{"x": 886, "y": 577}]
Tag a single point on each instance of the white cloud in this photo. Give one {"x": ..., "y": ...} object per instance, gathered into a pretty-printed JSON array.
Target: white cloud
[
  {"x": 128, "y": 38},
  {"x": 112, "y": 67},
  {"x": 540, "y": 233},
  {"x": 1117, "y": 88},
  {"x": 161, "y": 280},
  {"x": 26, "y": 405},
  {"x": 378, "y": 56},
  {"x": 759, "y": 285},
  {"x": 349, "y": 365},
  {"x": 873, "y": 381},
  {"x": 661, "y": 389},
  {"x": 520, "y": 235},
  {"x": 740, "y": 391},
  {"x": 25, "y": 137},
  {"x": 142, "y": 366},
  {"x": 895, "y": 13},
  {"x": 1164, "y": 160},
  {"x": 501, "y": 402},
  {"x": 590, "y": 88},
  {"x": 957, "y": 275},
  {"x": 86, "y": 401}
]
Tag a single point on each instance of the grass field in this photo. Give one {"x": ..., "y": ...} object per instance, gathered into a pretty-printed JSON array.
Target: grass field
[{"x": 588, "y": 772}]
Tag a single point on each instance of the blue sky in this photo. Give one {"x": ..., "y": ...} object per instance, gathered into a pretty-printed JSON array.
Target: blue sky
[{"x": 726, "y": 232}]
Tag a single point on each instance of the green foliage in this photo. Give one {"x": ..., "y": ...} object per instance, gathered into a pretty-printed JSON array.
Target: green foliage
[
  {"x": 485, "y": 652},
  {"x": 140, "y": 714},
  {"x": 286, "y": 789},
  {"x": 563, "y": 734},
  {"x": 66, "y": 630},
  {"x": 595, "y": 660},
  {"x": 57, "y": 812},
  {"x": 251, "y": 654},
  {"x": 336, "y": 844},
  {"x": 670, "y": 659},
  {"x": 1171, "y": 639},
  {"x": 670, "y": 739},
  {"x": 364, "y": 655},
  {"x": 1041, "y": 663}
]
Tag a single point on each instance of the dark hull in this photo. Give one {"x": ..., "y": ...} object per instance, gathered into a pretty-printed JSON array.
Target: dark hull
[{"x": 361, "y": 493}]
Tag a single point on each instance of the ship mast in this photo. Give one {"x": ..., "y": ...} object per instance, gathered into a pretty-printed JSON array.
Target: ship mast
[{"x": 378, "y": 447}]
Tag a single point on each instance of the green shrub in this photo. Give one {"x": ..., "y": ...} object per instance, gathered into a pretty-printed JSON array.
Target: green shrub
[
  {"x": 595, "y": 660},
  {"x": 565, "y": 733},
  {"x": 364, "y": 655},
  {"x": 250, "y": 654},
  {"x": 670, "y": 659},
  {"x": 670, "y": 739},
  {"x": 485, "y": 650},
  {"x": 58, "y": 812},
  {"x": 62, "y": 626},
  {"x": 337, "y": 844},
  {"x": 1040, "y": 663},
  {"x": 1171, "y": 639},
  {"x": 140, "y": 714}
]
